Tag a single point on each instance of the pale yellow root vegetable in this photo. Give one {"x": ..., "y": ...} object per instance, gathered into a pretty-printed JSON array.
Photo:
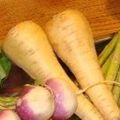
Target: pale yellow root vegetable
[
  {"x": 23, "y": 46},
  {"x": 67, "y": 33},
  {"x": 27, "y": 45}
]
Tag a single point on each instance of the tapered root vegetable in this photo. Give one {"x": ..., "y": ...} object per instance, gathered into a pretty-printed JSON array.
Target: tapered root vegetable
[
  {"x": 8, "y": 115},
  {"x": 27, "y": 45},
  {"x": 36, "y": 103},
  {"x": 67, "y": 34}
]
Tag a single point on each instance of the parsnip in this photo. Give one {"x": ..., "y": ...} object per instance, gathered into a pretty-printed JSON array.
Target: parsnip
[
  {"x": 27, "y": 45},
  {"x": 67, "y": 34},
  {"x": 116, "y": 89}
]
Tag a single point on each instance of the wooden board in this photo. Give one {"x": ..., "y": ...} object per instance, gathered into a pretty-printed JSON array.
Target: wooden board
[{"x": 103, "y": 15}]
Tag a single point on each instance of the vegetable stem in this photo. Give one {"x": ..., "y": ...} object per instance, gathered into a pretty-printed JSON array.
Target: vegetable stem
[
  {"x": 8, "y": 102},
  {"x": 108, "y": 49},
  {"x": 106, "y": 65},
  {"x": 116, "y": 88},
  {"x": 115, "y": 62}
]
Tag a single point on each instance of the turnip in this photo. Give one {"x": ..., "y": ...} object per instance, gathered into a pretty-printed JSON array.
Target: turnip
[
  {"x": 8, "y": 115},
  {"x": 69, "y": 36},
  {"x": 26, "y": 45},
  {"x": 36, "y": 103}
]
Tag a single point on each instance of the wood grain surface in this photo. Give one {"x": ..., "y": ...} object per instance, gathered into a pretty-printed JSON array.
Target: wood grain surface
[{"x": 103, "y": 15}]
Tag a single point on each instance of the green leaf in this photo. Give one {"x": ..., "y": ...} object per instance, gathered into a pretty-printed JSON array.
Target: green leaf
[
  {"x": 5, "y": 67},
  {"x": 2, "y": 73},
  {"x": 6, "y": 64}
]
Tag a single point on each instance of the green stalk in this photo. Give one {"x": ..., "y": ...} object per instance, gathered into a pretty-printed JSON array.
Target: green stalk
[
  {"x": 116, "y": 88},
  {"x": 114, "y": 64},
  {"x": 8, "y": 102},
  {"x": 107, "y": 50},
  {"x": 106, "y": 65}
]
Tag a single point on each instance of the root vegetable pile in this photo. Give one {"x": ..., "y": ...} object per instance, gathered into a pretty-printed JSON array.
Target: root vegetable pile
[{"x": 53, "y": 94}]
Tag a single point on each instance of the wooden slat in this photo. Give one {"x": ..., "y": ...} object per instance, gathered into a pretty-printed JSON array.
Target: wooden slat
[{"x": 103, "y": 15}]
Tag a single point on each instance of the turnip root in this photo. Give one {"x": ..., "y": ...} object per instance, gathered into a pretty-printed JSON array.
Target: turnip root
[
  {"x": 8, "y": 115},
  {"x": 67, "y": 35},
  {"x": 36, "y": 103},
  {"x": 26, "y": 45}
]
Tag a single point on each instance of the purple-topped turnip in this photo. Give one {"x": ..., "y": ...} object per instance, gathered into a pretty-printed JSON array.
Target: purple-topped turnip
[
  {"x": 35, "y": 103},
  {"x": 63, "y": 109},
  {"x": 8, "y": 115}
]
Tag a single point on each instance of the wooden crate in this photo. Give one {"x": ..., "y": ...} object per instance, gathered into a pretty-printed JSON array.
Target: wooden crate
[{"x": 103, "y": 15}]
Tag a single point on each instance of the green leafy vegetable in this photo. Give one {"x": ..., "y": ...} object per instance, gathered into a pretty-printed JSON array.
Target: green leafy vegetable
[
  {"x": 8, "y": 102},
  {"x": 2, "y": 73},
  {"x": 5, "y": 67},
  {"x": 6, "y": 64}
]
